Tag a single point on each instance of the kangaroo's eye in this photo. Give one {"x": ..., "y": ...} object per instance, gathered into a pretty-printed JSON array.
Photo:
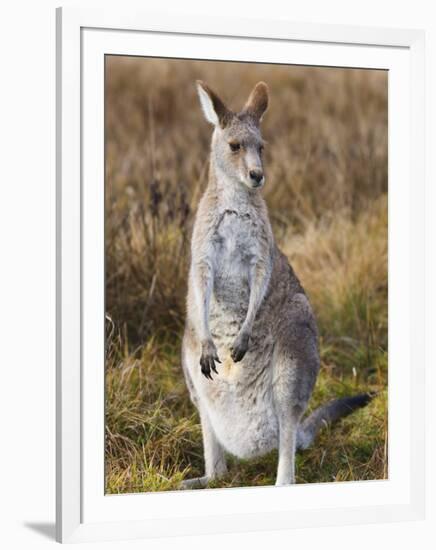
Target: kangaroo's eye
[
  {"x": 235, "y": 146},
  {"x": 261, "y": 148}
]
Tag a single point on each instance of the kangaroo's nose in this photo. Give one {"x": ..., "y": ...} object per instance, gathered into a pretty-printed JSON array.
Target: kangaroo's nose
[{"x": 256, "y": 175}]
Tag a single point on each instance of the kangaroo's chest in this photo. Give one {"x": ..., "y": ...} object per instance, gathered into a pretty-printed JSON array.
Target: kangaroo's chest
[
  {"x": 236, "y": 244},
  {"x": 236, "y": 249}
]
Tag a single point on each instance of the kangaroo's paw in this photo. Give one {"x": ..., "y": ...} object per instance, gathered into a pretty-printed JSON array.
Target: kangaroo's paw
[
  {"x": 208, "y": 357},
  {"x": 240, "y": 346},
  {"x": 195, "y": 483}
]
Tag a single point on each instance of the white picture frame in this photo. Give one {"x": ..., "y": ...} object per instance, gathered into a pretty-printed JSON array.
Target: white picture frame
[{"x": 84, "y": 513}]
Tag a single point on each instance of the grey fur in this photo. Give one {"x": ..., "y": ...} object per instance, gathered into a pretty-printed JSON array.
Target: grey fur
[{"x": 250, "y": 348}]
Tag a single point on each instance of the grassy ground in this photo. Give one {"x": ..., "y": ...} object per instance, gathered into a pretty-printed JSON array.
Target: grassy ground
[{"x": 326, "y": 165}]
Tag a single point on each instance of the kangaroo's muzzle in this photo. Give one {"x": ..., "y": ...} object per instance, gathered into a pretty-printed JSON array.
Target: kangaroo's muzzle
[{"x": 256, "y": 178}]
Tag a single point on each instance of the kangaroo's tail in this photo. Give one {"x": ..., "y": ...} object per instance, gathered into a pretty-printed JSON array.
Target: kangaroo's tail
[{"x": 327, "y": 414}]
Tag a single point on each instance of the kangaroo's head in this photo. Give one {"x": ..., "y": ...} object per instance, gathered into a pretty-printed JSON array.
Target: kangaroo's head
[{"x": 237, "y": 142}]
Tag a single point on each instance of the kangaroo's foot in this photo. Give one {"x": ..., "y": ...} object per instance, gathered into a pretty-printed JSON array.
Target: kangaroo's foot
[{"x": 195, "y": 483}]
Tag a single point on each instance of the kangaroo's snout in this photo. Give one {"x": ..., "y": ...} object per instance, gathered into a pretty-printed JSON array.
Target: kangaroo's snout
[{"x": 256, "y": 176}]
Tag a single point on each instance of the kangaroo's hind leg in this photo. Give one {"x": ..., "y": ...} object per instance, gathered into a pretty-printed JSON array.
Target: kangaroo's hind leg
[
  {"x": 288, "y": 427},
  {"x": 288, "y": 415},
  {"x": 215, "y": 462},
  {"x": 296, "y": 364}
]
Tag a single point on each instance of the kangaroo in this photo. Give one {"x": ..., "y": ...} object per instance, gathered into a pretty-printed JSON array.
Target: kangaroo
[{"x": 250, "y": 347}]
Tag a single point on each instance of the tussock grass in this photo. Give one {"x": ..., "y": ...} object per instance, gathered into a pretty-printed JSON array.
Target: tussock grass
[{"x": 326, "y": 163}]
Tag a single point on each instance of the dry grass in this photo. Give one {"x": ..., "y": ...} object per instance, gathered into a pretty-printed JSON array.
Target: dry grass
[{"x": 326, "y": 164}]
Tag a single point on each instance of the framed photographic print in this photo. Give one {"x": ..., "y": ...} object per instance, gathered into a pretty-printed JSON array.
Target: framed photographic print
[{"x": 238, "y": 239}]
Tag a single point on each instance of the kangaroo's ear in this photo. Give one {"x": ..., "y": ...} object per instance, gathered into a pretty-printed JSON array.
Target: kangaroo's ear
[
  {"x": 257, "y": 103},
  {"x": 213, "y": 108}
]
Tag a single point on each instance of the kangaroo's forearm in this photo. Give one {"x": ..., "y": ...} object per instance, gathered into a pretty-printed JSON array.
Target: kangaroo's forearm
[
  {"x": 260, "y": 277},
  {"x": 259, "y": 281},
  {"x": 203, "y": 285}
]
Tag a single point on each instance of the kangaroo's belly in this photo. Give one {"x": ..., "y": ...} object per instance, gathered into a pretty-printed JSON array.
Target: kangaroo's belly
[
  {"x": 239, "y": 402},
  {"x": 245, "y": 424}
]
